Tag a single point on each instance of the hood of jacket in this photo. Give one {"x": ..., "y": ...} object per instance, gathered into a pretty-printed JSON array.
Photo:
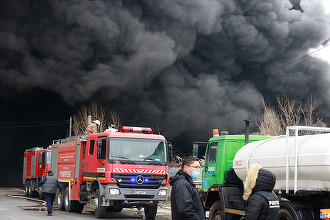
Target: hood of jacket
[
  {"x": 258, "y": 179},
  {"x": 180, "y": 175}
]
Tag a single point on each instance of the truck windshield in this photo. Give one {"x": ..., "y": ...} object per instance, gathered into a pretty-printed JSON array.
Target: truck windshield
[{"x": 136, "y": 150}]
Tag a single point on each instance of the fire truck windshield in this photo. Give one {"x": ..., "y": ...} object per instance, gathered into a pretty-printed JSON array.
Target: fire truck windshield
[{"x": 137, "y": 150}]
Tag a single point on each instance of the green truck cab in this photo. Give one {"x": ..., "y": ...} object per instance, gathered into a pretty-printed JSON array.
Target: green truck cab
[{"x": 222, "y": 189}]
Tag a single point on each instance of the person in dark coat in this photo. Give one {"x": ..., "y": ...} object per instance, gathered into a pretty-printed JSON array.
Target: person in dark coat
[
  {"x": 262, "y": 202},
  {"x": 50, "y": 185},
  {"x": 185, "y": 200}
]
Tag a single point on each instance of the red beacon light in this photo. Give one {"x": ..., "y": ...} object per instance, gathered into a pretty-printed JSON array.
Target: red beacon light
[
  {"x": 136, "y": 129},
  {"x": 215, "y": 132}
]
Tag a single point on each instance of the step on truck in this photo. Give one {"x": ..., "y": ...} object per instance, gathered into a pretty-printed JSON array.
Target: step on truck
[
  {"x": 301, "y": 164},
  {"x": 112, "y": 170},
  {"x": 36, "y": 164}
]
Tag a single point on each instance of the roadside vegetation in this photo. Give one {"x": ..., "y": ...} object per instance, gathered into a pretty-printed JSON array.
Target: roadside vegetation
[{"x": 288, "y": 113}]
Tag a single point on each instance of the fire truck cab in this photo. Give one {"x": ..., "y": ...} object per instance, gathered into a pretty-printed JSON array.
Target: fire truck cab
[{"x": 112, "y": 171}]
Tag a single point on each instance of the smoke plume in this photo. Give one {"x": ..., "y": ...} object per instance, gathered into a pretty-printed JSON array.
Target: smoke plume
[{"x": 194, "y": 64}]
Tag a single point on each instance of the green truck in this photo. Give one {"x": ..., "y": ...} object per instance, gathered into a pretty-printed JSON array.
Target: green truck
[
  {"x": 222, "y": 189},
  {"x": 301, "y": 164}
]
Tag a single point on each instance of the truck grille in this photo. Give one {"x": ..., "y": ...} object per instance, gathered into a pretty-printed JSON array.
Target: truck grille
[
  {"x": 138, "y": 180},
  {"x": 139, "y": 196}
]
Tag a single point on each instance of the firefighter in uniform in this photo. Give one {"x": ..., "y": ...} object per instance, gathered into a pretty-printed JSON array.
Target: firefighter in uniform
[
  {"x": 92, "y": 128},
  {"x": 49, "y": 184},
  {"x": 262, "y": 202}
]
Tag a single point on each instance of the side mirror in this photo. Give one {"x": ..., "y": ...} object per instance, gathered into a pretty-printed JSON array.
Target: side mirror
[{"x": 170, "y": 151}]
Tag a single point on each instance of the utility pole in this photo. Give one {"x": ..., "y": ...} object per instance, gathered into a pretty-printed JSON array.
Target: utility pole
[{"x": 70, "y": 129}]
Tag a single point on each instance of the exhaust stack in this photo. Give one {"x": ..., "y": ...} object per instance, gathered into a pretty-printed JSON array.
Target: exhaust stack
[{"x": 247, "y": 132}]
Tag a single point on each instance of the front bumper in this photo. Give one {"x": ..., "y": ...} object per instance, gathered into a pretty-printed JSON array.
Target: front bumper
[{"x": 131, "y": 195}]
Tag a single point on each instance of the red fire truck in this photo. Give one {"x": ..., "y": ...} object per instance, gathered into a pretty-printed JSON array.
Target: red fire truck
[
  {"x": 112, "y": 171},
  {"x": 35, "y": 166}
]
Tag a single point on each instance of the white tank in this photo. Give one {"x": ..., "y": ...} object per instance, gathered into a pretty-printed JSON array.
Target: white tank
[{"x": 313, "y": 165}]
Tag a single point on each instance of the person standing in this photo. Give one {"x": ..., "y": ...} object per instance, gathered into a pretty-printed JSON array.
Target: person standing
[
  {"x": 262, "y": 202},
  {"x": 49, "y": 185},
  {"x": 92, "y": 128},
  {"x": 185, "y": 200}
]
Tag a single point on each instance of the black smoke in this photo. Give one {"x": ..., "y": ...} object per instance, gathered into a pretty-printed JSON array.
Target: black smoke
[{"x": 186, "y": 65}]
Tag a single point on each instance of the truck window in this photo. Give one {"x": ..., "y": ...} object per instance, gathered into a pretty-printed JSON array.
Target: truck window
[
  {"x": 101, "y": 148},
  {"x": 48, "y": 157},
  {"x": 213, "y": 152},
  {"x": 91, "y": 147}
]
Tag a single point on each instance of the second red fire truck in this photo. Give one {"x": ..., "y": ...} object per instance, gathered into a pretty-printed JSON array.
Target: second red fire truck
[
  {"x": 35, "y": 166},
  {"x": 112, "y": 171}
]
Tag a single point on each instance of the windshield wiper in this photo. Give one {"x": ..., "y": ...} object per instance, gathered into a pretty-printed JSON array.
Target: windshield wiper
[
  {"x": 155, "y": 162},
  {"x": 126, "y": 159}
]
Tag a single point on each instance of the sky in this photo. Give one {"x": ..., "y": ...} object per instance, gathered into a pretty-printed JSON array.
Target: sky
[{"x": 183, "y": 66}]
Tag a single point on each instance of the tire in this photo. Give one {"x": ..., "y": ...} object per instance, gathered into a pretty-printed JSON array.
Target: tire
[
  {"x": 216, "y": 211},
  {"x": 113, "y": 209},
  {"x": 118, "y": 209},
  {"x": 79, "y": 207},
  {"x": 60, "y": 200},
  {"x": 285, "y": 214},
  {"x": 31, "y": 194},
  {"x": 27, "y": 188},
  {"x": 150, "y": 211},
  {"x": 69, "y": 205},
  {"x": 100, "y": 210}
]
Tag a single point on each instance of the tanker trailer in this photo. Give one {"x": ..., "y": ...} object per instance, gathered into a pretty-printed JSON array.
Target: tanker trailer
[{"x": 302, "y": 168}]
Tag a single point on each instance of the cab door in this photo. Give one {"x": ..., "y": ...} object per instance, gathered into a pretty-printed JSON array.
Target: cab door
[
  {"x": 210, "y": 169},
  {"x": 101, "y": 156},
  {"x": 90, "y": 158}
]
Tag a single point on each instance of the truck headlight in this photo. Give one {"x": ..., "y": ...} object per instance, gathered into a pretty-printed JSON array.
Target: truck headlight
[
  {"x": 114, "y": 191},
  {"x": 162, "y": 192}
]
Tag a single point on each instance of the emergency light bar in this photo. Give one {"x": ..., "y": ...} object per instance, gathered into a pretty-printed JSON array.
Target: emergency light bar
[
  {"x": 215, "y": 132},
  {"x": 135, "y": 129}
]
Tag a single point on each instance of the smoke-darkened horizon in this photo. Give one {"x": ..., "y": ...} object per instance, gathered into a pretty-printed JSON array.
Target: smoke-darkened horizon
[{"x": 195, "y": 64}]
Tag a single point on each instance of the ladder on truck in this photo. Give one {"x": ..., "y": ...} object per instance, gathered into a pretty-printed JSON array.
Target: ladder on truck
[{"x": 78, "y": 138}]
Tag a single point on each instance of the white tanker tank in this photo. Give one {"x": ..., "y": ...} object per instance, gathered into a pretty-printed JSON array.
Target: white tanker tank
[{"x": 309, "y": 168}]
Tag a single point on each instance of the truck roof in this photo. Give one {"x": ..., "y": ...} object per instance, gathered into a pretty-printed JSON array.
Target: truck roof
[
  {"x": 239, "y": 137},
  {"x": 84, "y": 137},
  {"x": 134, "y": 135}
]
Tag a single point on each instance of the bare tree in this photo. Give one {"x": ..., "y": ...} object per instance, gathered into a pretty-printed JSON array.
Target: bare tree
[
  {"x": 270, "y": 123},
  {"x": 274, "y": 121},
  {"x": 97, "y": 112}
]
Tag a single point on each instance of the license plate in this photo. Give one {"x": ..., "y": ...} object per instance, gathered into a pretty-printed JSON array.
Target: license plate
[{"x": 140, "y": 192}]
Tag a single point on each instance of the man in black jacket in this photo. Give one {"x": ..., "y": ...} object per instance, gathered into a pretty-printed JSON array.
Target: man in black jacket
[
  {"x": 185, "y": 201},
  {"x": 49, "y": 186},
  {"x": 262, "y": 202}
]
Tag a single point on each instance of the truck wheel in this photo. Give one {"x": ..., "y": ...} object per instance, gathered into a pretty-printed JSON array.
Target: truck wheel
[
  {"x": 100, "y": 210},
  {"x": 285, "y": 214},
  {"x": 60, "y": 201},
  {"x": 118, "y": 209},
  {"x": 69, "y": 205},
  {"x": 27, "y": 188},
  {"x": 216, "y": 212},
  {"x": 79, "y": 207},
  {"x": 31, "y": 194},
  {"x": 150, "y": 211}
]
